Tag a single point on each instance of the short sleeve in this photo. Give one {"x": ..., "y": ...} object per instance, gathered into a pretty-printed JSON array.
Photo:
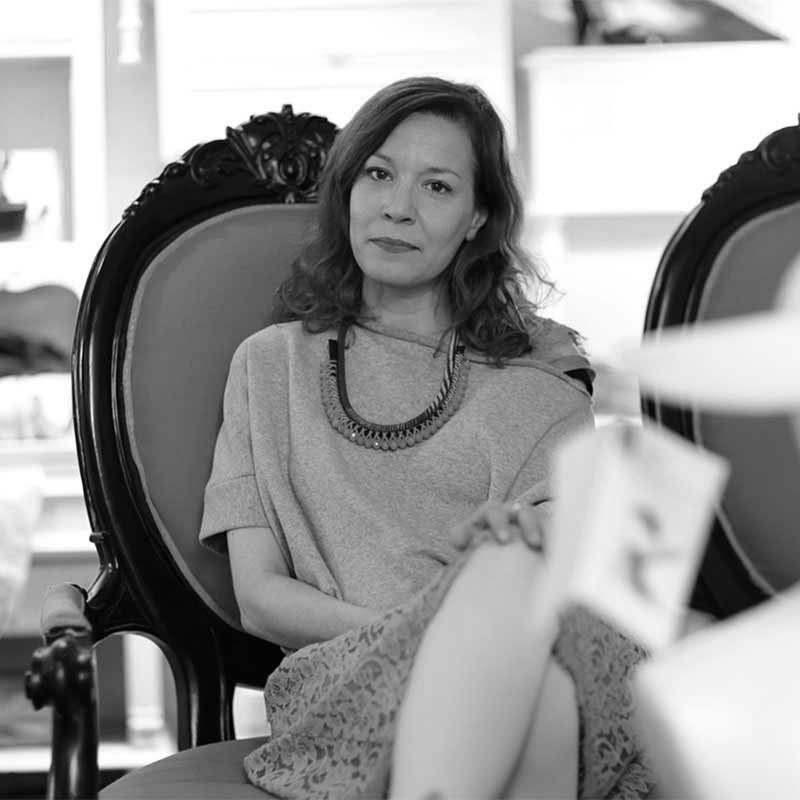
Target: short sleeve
[
  {"x": 232, "y": 499},
  {"x": 532, "y": 483},
  {"x": 562, "y": 348}
]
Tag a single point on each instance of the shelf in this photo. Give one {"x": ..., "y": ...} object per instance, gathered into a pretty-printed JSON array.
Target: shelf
[{"x": 37, "y": 29}]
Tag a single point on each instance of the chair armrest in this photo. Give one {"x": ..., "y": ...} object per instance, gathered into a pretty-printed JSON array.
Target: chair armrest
[
  {"x": 63, "y": 608},
  {"x": 63, "y": 675}
]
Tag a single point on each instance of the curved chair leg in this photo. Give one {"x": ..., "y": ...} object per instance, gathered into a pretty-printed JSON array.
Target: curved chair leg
[{"x": 204, "y": 695}]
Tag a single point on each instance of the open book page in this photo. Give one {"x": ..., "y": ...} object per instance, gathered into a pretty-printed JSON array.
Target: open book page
[{"x": 633, "y": 512}]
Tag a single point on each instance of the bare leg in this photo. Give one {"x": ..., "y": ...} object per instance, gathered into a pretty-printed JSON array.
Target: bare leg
[
  {"x": 464, "y": 729},
  {"x": 548, "y": 764}
]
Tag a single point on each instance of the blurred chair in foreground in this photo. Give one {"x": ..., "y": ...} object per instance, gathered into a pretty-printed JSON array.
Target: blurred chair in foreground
[
  {"x": 188, "y": 273},
  {"x": 719, "y": 710}
]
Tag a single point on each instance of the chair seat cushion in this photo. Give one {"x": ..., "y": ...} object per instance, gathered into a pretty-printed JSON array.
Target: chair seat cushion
[{"x": 210, "y": 771}]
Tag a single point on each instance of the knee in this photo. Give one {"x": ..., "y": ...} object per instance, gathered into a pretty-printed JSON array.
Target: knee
[
  {"x": 500, "y": 576},
  {"x": 505, "y": 562}
]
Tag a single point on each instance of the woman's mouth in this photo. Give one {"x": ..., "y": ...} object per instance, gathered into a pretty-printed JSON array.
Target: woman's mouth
[{"x": 393, "y": 245}]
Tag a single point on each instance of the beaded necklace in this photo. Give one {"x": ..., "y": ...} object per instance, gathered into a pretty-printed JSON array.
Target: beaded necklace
[{"x": 376, "y": 436}]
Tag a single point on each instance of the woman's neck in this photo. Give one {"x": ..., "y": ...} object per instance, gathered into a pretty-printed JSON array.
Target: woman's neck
[{"x": 427, "y": 314}]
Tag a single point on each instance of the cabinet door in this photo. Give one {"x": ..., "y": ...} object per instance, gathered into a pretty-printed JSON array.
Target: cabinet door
[{"x": 217, "y": 65}]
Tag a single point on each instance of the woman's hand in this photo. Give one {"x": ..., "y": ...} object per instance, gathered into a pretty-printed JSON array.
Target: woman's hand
[{"x": 504, "y": 522}]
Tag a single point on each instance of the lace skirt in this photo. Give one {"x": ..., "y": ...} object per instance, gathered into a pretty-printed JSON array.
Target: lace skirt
[{"x": 332, "y": 706}]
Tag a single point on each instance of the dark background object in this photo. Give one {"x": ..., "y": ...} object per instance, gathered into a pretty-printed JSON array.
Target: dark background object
[
  {"x": 36, "y": 329},
  {"x": 12, "y": 215},
  {"x": 12, "y": 218},
  {"x": 710, "y": 22}
]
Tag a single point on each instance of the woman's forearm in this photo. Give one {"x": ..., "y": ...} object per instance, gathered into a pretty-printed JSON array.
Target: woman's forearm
[{"x": 293, "y": 614}]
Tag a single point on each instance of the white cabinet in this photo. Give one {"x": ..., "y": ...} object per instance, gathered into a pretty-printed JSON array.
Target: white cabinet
[
  {"x": 644, "y": 129},
  {"x": 218, "y": 62}
]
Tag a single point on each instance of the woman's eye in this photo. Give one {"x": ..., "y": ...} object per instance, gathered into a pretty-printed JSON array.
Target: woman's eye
[
  {"x": 377, "y": 173},
  {"x": 437, "y": 187}
]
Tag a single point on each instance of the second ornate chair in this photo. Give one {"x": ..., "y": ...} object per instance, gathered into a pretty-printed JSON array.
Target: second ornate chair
[{"x": 728, "y": 258}]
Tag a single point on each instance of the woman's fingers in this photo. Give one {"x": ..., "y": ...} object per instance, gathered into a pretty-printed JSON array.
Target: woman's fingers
[
  {"x": 461, "y": 534},
  {"x": 504, "y": 521},
  {"x": 530, "y": 525},
  {"x": 497, "y": 518}
]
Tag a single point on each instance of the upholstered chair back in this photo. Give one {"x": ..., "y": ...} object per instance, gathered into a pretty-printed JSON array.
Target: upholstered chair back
[
  {"x": 762, "y": 502},
  {"x": 199, "y": 297},
  {"x": 729, "y": 258}
]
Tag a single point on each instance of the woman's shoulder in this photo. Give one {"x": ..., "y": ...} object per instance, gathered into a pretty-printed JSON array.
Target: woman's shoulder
[
  {"x": 553, "y": 341},
  {"x": 558, "y": 350},
  {"x": 562, "y": 349},
  {"x": 277, "y": 338},
  {"x": 270, "y": 349}
]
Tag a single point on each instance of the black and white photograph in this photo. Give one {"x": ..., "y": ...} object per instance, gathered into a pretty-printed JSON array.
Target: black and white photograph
[{"x": 397, "y": 399}]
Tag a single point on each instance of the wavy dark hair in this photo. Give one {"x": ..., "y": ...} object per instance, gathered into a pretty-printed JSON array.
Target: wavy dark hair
[{"x": 487, "y": 282}]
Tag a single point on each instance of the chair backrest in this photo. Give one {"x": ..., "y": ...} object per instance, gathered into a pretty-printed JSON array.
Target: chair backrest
[
  {"x": 728, "y": 258},
  {"x": 190, "y": 271},
  {"x": 196, "y": 300}
]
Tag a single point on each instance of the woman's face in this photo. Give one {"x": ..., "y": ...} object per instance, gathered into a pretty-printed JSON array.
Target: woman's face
[{"x": 413, "y": 204}]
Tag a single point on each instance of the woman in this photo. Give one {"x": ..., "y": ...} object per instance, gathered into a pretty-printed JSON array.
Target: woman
[{"x": 343, "y": 522}]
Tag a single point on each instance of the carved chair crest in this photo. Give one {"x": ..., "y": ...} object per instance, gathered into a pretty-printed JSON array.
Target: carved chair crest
[{"x": 284, "y": 153}]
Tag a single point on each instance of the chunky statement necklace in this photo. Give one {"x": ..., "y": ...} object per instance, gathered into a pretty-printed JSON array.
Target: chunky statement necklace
[{"x": 373, "y": 435}]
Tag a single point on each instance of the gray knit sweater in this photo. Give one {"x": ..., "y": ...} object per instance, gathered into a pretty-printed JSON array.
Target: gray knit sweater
[{"x": 371, "y": 527}]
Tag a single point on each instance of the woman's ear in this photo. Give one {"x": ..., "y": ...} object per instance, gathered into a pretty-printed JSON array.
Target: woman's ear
[{"x": 478, "y": 219}]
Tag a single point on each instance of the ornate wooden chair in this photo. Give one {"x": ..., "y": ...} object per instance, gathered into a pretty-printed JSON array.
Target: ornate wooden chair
[
  {"x": 188, "y": 273},
  {"x": 728, "y": 258}
]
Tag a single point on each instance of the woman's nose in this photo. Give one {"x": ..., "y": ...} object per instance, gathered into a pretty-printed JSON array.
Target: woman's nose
[{"x": 399, "y": 205}]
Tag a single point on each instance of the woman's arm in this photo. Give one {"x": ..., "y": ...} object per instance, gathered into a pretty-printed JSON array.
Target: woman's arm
[{"x": 277, "y": 607}]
